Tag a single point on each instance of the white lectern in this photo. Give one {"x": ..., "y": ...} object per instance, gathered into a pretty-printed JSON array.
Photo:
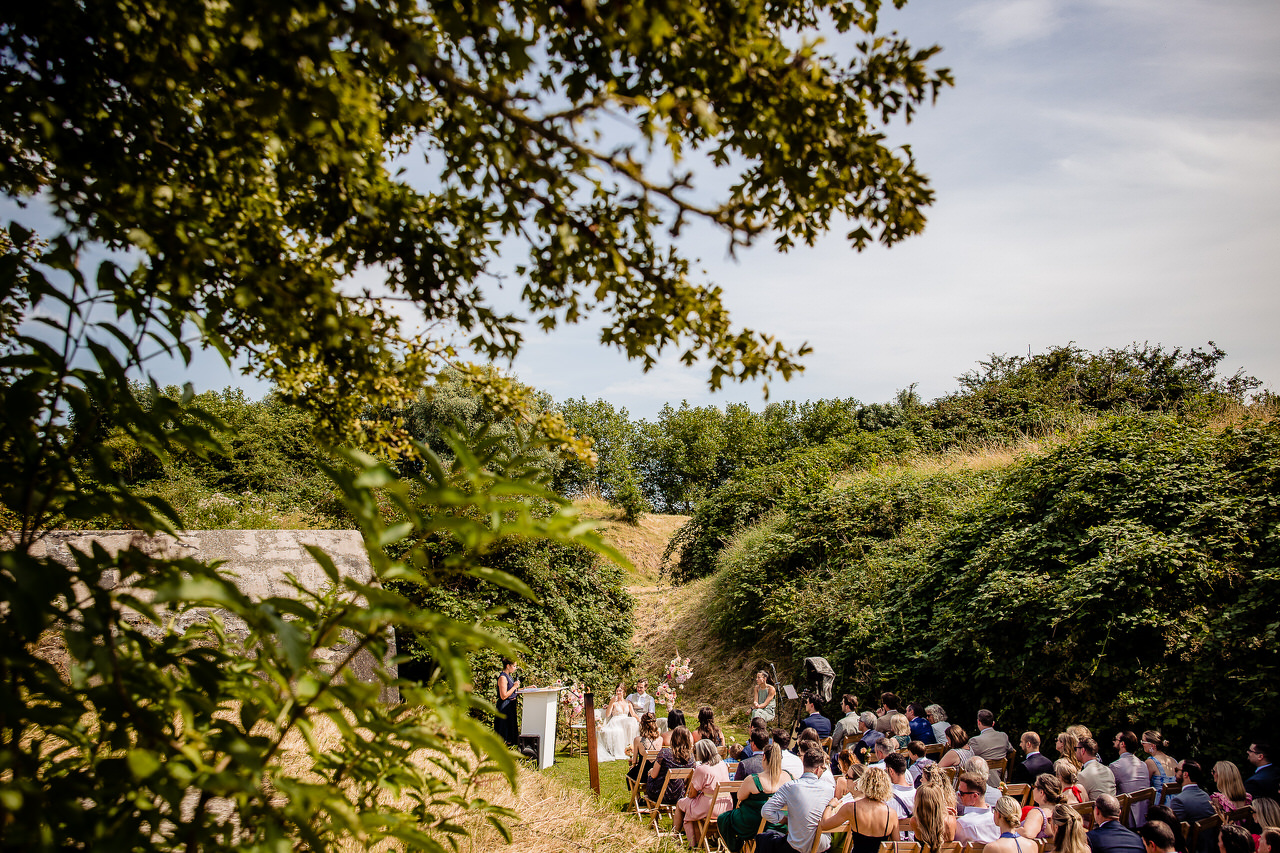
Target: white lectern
[{"x": 539, "y": 718}]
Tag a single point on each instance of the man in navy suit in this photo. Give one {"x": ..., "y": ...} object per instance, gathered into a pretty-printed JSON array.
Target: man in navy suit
[
  {"x": 1265, "y": 782},
  {"x": 815, "y": 720},
  {"x": 1108, "y": 835},
  {"x": 1035, "y": 763},
  {"x": 1193, "y": 803}
]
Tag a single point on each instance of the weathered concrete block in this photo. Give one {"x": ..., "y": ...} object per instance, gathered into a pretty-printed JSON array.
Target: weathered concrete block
[{"x": 258, "y": 561}]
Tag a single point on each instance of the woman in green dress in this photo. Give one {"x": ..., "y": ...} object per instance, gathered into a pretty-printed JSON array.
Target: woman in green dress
[
  {"x": 763, "y": 695},
  {"x": 741, "y": 824}
]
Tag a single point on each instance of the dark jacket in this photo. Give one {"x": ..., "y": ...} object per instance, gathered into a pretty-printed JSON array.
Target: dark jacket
[
  {"x": 1031, "y": 767},
  {"x": 1112, "y": 837}
]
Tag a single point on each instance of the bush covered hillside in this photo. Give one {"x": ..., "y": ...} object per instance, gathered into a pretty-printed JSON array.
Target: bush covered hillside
[{"x": 1122, "y": 573}]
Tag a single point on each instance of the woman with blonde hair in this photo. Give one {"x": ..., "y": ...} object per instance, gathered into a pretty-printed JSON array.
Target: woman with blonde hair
[
  {"x": 1008, "y": 818},
  {"x": 1080, "y": 731},
  {"x": 697, "y": 803},
  {"x": 900, "y": 730},
  {"x": 873, "y": 819},
  {"x": 934, "y": 821},
  {"x": 739, "y": 825},
  {"x": 933, "y": 776},
  {"x": 1066, "y": 744},
  {"x": 1067, "y": 774},
  {"x": 958, "y": 754},
  {"x": 1231, "y": 794},
  {"x": 1068, "y": 835},
  {"x": 1046, "y": 793}
]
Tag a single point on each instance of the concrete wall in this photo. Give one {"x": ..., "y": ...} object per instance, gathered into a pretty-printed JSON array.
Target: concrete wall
[{"x": 257, "y": 560}]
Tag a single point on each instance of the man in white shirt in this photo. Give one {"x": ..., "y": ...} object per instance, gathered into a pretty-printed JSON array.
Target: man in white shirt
[
  {"x": 641, "y": 701},
  {"x": 803, "y": 800},
  {"x": 790, "y": 761},
  {"x": 903, "y": 800},
  {"x": 978, "y": 823}
]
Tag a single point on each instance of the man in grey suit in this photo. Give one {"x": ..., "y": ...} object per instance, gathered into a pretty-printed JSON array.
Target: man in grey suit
[
  {"x": 1131, "y": 774},
  {"x": 989, "y": 744},
  {"x": 1095, "y": 777},
  {"x": 846, "y": 726},
  {"x": 1192, "y": 804}
]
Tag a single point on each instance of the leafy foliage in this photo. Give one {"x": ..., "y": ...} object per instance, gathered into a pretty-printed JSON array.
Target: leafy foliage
[
  {"x": 229, "y": 167},
  {"x": 1128, "y": 577}
]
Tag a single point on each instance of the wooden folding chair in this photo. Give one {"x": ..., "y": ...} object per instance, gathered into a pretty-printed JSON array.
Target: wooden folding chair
[
  {"x": 825, "y": 743},
  {"x": 707, "y": 828},
  {"x": 1020, "y": 792},
  {"x": 723, "y": 750},
  {"x": 1169, "y": 789},
  {"x": 1010, "y": 761},
  {"x": 949, "y": 847},
  {"x": 1199, "y": 828},
  {"x": 935, "y": 750},
  {"x": 1136, "y": 798},
  {"x": 1085, "y": 810},
  {"x": 637, "y": 787},
  {"x": 899, "y": 847},
  {"x": 657, "y": 808},
  {"x": 953, "y": 775},
  {"x": 905, "y": 825},
  {"x": 1002, "y": 766},
  {"x": 749, "y": 846},
  {"x": 1241, "y": 815}
]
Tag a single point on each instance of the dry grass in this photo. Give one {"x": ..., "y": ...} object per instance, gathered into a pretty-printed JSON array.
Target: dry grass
[{"x": 643, "y": 542}]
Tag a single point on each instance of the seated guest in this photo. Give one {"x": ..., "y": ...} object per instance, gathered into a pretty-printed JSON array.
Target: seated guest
[
  {"x": 791, "y": 762},
  {"x": 937, "y": 716},
  {"x": 1266, "y": 812},
  {"x": 976, "y": 822},
  {"x": 1066, "y": 745},
  {"x": 697, "y": 803},
  {"x": 1131, "y": 774},
  {"x": 1191, "y": 803},
  {"x": 1068, "y": 774},
  {"x": 873, "y": 820},
  {"x": 1265, "y": 781},
  {"x": 735, "y": 752},
  {"x": 882, "y": 750},
  {"x": 754, "y": 762},
  {"x": 1234, "y": 839},
  {"x": 1159, "y": 763},
  {"x": 739, "y": 826},
  {"x": 1164, "y": 814},
  {"x": 1108, "y": 834},
  {"x": 979, "y": 765},
  {"x": 899, "y": 731},
  {"x": 890, "y": 704},
  {"x": 675, "y": 720},
  {"x": 990, "y": 744},
  {"x": 707, "y": 727},
  {"x": 934, "y": 823},
  {"x": 757, "y": 724},
  {"x": 1269, "y": 840},
  {"x": 918, "y": 761},
  {"x": 1008, "y": 820},
  {"x": 1046, "y": 795},
  {"x": 868, "y": 738},
  {"x": 801, "y": 803},
  {"x": 1096, "y": 777},
  {"x": 678, "y": 756},
  {"x": 1033, "y": 764},
  {"x": 1157, "y": 837},
  {"x": 902, "y": 792},
  {"x": 850, "y": 771},
  {"x": 647, "y": 740},
  {"x": 815, "y": 720},
  {"x": 809, "y": 740},
  {"x": 919, "y": 723},
  {"x": 1069, "y": 835},
  {"x": 846, "y": 726},
  {"x": 1231, "y": 794},
  {"x": 958, "y": 754}
]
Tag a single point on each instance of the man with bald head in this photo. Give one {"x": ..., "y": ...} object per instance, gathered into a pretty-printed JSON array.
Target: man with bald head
[{"x": 1108, "y": 835}]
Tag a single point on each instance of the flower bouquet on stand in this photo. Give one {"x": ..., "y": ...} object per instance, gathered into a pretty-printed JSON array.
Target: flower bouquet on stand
[
  {"x": 678, "y": 672},
  {"x": 664, "y": 695}
]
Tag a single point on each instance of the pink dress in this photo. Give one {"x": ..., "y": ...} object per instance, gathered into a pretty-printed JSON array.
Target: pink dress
[{"x": 705, "y": 777}]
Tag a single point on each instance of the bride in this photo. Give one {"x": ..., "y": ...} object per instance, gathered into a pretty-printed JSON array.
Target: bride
[{"x": 620, "y": 728}]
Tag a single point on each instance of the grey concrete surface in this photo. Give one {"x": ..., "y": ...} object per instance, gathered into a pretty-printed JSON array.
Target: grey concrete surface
[{"x": 259, "y": 562}]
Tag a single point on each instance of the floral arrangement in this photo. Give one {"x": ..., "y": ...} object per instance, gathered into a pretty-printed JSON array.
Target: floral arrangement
[
  {"x": 573, "y": 700},
  {"x": 679, "y": 671}
]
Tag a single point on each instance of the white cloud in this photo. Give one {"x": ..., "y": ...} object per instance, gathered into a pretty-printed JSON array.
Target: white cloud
[{"x": 1002, "y": 23}]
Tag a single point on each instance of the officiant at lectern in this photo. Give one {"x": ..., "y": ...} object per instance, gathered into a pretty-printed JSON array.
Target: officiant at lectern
[{"x": 506, "y": 725}]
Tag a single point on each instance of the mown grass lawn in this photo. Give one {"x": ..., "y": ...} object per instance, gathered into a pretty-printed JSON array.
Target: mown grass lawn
[{"x": 573, "y": 770}]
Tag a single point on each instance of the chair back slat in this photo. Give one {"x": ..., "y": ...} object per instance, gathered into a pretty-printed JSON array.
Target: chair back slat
[{"x": 1020, "y": 792}]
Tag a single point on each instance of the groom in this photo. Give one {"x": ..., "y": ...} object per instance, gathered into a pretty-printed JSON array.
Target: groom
[{"x": 641, "y": 701}]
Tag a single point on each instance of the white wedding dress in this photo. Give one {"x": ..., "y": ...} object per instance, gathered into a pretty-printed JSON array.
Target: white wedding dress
[{"x": 617, "y": 733}]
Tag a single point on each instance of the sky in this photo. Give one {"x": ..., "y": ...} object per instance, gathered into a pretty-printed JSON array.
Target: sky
[{"x": 1107, "y": 172}]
